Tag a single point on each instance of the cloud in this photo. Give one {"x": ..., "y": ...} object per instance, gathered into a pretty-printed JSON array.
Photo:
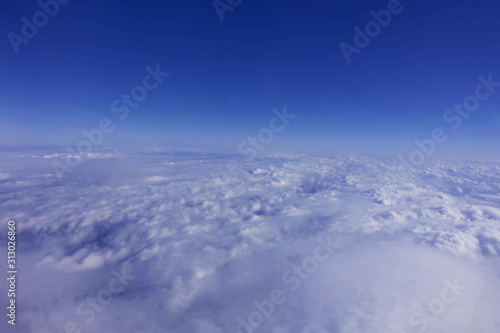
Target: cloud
[{"x": 206, "y": 241}]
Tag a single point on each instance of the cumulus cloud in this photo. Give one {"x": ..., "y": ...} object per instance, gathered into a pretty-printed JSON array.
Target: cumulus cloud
[{"x": 206, "y": 235}]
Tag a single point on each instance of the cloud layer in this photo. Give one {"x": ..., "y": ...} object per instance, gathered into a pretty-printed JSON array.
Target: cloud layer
[{"x": 207, "y": 235}]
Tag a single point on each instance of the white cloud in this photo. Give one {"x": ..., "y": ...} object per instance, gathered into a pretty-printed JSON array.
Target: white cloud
[{"x": 205, "y": 241}]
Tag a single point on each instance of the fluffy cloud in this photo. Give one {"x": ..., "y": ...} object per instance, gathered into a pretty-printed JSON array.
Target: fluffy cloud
[{"x": 206, "y": 235}]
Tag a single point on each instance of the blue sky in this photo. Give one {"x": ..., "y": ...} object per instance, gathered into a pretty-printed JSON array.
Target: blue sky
[{"x": 227, "y": 76}]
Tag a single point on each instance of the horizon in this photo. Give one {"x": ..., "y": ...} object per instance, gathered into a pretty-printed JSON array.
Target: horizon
[
  {"x": 216, "y": 100},
  {"x": 236, "y": 166}
]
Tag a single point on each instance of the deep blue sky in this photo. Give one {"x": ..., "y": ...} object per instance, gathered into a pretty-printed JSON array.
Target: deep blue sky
[{"x": 226, "y": 77}]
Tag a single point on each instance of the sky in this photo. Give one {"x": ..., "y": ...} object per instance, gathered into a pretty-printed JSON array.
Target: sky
[{"x": 226, "y": 76}]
